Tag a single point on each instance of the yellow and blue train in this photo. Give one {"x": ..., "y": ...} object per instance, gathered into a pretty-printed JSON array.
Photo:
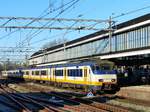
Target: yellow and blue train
[{"x": 83, "y": 74}]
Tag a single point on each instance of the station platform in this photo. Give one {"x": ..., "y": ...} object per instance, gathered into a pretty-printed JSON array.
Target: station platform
[{"x": 135, "y": 92}]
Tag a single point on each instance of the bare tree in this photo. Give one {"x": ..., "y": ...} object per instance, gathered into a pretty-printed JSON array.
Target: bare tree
[{"x": 54, "y": 43}]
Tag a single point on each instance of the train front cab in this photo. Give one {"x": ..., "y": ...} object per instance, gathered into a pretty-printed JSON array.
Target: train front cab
[{"x": 106, "y": 78}]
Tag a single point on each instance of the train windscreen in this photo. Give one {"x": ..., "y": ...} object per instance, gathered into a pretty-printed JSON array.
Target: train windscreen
[{"x": 102, "y": 70}]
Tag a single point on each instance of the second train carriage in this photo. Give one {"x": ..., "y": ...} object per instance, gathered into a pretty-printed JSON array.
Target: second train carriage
[{"x": 85, "y": 74}]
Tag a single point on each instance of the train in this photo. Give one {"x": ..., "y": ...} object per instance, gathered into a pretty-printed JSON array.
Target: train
[
  {"x": 87, "y": 75},
  {"x": 135, "y": 75}
]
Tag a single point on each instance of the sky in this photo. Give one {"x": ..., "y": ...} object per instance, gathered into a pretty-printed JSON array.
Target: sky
[{"x": 84, "y": 9}]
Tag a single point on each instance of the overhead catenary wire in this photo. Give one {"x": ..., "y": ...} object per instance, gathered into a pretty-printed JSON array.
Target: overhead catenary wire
[
  {"x": 40, "y": 16},
  {"x": 45, "y": 39},
  {"x": 52, "y": 19},
  {"x": 123, "y": 14},
  {"x": 50, "y": 28},
  {"x": 130, "y": 12},
  {"x": 54, "y": 10},
  {"x": 48, "y": 22},
  {"x": 57, "y": 35},
  {"x": 34, "y": 20},
  {"x": 19, "y": 29},
  {"x": 39, "y": 31}
]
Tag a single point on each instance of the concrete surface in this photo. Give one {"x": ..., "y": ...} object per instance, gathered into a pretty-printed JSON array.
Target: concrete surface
[{"x": 136, "y": 92}]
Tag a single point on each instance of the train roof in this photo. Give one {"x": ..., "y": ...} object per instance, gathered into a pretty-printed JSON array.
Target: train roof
[
  {"x": 63, "y": 65},
  {"x": 119, "y": 26}
]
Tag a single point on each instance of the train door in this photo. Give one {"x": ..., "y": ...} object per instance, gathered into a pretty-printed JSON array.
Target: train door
[
  {"x": 65, "y": 74},
  {"x": 85, "y": 75},
  {"x": 40, "y": 74},
  {"x": 49, "y": 73},
  {"x": 53, "y": 76},
  {"x": 30, "y": 73}
]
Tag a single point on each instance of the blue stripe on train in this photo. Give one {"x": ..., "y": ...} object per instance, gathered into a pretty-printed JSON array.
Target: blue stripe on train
[{"x": 104, "y": 72}]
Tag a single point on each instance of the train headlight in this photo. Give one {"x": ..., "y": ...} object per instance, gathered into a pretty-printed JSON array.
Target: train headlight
[
  {"x": 101, "y": 80},
  {"x": 113, "y": 80},
  {"x": 126, "y": 74}
]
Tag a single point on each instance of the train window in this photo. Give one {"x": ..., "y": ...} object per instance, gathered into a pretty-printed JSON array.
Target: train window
[
  {"x": 75, "y": 72},
  {"x": 89, "y": 71},
  {"x": 32, "y": 72},
  {"x": 36, "y": 72},
  {"x": 17, "y": 73},
  {"x": 22, "y": 72},
  {"x": 95, "y": 69},
  {"x": 70, "y": 72},
  {"x": 106, "y": 67},
  {"x": 11, "y": 73},
  {"x": 80, "y": 73},
  {"x": 43, "y": 72},
  {"x": 27, "y": 72},
  {"x": 58, "y": 72}
]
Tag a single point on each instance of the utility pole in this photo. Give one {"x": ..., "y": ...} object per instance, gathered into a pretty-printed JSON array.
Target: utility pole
[
  {"x": 26, "y": 60},
  {"x": 45, "y": 58},
  {"x": 5, "y": 68},
  {"x": 64, "y": 44},
  {"x": 110, "y": 33}
]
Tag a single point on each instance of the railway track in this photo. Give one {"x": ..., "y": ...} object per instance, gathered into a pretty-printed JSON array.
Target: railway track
[
  {"x": 35, "y": 101},
  {"x": 25, "y": 103},
  {"x": 59, "y": 102},
  {"x": 103, "y": 106},
  {"x": 72, "y": 105}
]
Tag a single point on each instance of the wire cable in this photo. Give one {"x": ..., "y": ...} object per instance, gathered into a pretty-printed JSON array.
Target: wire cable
[
  {"x": 39, "y": 31},
  {"x": 130, "y": 12}
]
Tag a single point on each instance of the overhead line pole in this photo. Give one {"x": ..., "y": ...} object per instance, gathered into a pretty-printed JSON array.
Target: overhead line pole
[{"x": 110, "y": 32}]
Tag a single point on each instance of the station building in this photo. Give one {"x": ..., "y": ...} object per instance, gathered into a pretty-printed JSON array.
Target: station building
[{"x": 130, "y": 45}]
